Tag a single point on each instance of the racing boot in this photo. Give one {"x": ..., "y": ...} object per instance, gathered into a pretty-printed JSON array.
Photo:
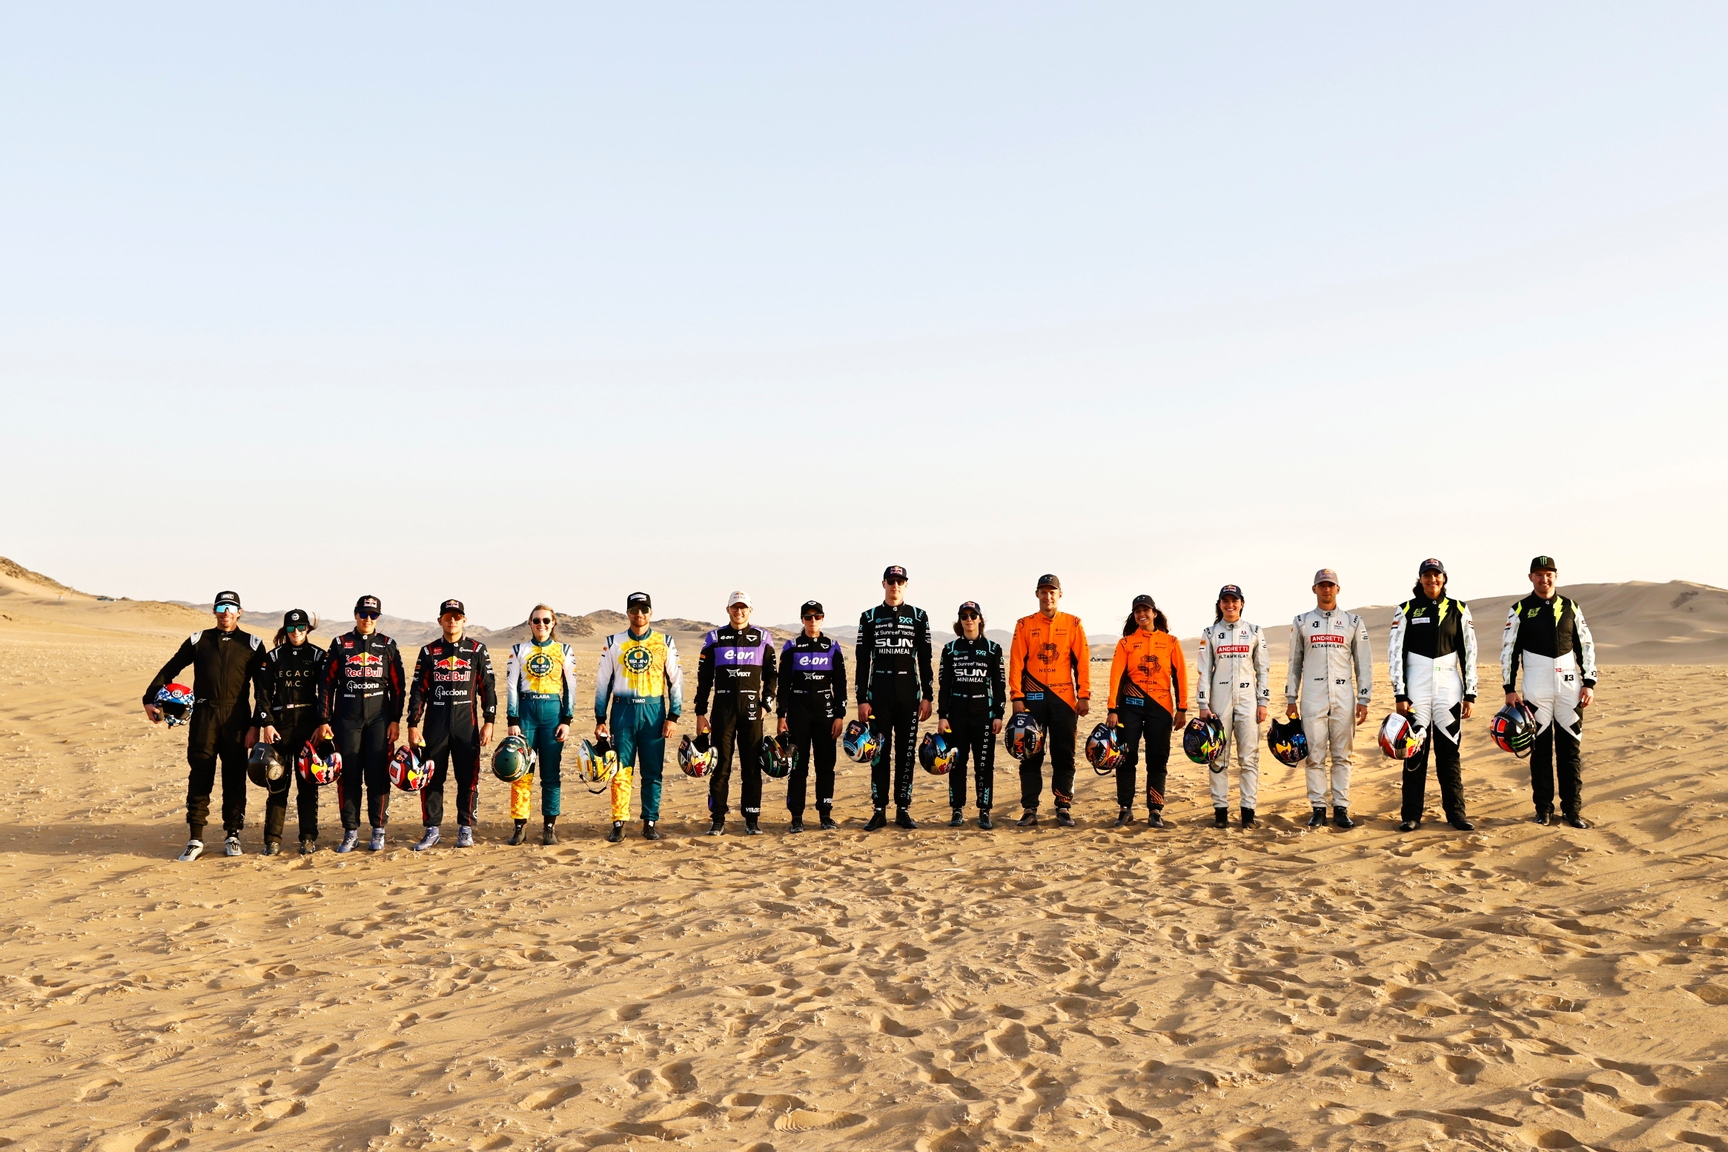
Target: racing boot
[
  {"x": 617, "y": 832},
  {"x": 1462, "y": 824},
  {"x": 1409, "y": 825},
  {"x": 718, "y": 827},
  {"x": 549, "y": 833},
  {"x": 1155, "y": 818},
  {"x": 1220, "y": 817},
  {"x": 984, "y": 820},
  {"x": 1544, "y": 815},
  {"x": 1341, "y": 818},
  {"x": 751, "y": 827},
  {"x": 904, "y": 818},
  {"x": 1574, "y": 820},
  {"x": 426, "y": 841},
  {"x": 194, "y": 849},
  {"x": 231, "y": 846},
  {"x": 308, "y": 846},
  {"x": 1064, "y": 818},
  {"x": 350, "y": 838},
  {"x": 1124, "y": 817},
  {"x": 828, "y": 824},
  {"x": 878, "y": 819},
  {"x": 1029, "y": 820},
  {"x": 377, "y": 842},
  {"x": 272, "y": 847},
  {"x": 1248, "y": 820},
  {"x": 520, "y": 834},
  {"x": 958, "y": 820},
  {"x": 797, "y": 824},
  {"x": 1318, "y": 819},
  {"x": 464, "y": 836},
  {"x": 649, "y": 832}
]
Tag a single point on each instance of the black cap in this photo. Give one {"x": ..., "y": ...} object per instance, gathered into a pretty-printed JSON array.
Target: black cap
[
  {"x": 296, "y": 618},
  {"x": 970, "y": 606},
  {"x": 893, "y": 572},
  {"x": 811, "y": 608},
  {"x": 1544, "y": 564},
  {"x": 367, "y": 604},
  {"x": 225, "y": 598},
  {"x": 450, "y": 607},
  {"x": 1049, "y": 581},
  {"x": 1231, "y": 590},
  {"x": 637, "y": 600},
  {"x": 1144, "y": 601},
  {"x": 1431, "y": 565}
]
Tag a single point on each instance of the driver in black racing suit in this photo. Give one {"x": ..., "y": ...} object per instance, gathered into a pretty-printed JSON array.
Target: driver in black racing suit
[
  {"x": 287, "y": 717},
  {"x": 455, "y": 698},
  {"x": 895, "y": 686}
]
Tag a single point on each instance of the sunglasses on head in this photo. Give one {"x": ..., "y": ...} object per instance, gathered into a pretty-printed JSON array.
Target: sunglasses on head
[{"x": 367, "y": 615}]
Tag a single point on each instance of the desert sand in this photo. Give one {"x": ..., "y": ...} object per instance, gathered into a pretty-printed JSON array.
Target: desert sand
[{"x": 944, "y": 990}]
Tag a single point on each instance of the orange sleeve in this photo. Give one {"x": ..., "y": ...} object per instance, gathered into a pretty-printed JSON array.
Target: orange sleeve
[
  {"x": 1017, "y": 662},
  {"x": 1179, "y": 674},
  {"x": 1117, "y": 663},
  {"x": 1083, "y": 661}
]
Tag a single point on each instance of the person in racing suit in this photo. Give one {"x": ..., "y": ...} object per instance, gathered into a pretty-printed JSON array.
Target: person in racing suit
[
  {"x": 360, "y": 707},
  {"x": 452, "y": 706},
  {"x": 812, "y": 712},
  {"x": 642, "y": 680},
  {"x": 287, "y": 717},
  {"x": 1547, "y": 637},
  {"x": 895, "y": 686},
  {"x": 226, "y": 664},
  {"x": 1148, "y": 699},
  {"x": 1234, "y": 685},
  {"x": 1050, "y": 676},
  {"x": 1431, "y": 655},
  {"x": 1330, "y": 684},
  {"x": 737, "y": 667},
  {"x": 970, "y": 706},
  {"x": 540, "y": 703}
]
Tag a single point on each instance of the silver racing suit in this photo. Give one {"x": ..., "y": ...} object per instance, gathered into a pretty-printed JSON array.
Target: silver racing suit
[
  {"x": 1234, "y": 681},
  {"x": 1331, "y": 672}
]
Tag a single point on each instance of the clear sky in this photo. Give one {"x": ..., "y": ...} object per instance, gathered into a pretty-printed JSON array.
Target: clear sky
[{"x": 556, "y": 302}]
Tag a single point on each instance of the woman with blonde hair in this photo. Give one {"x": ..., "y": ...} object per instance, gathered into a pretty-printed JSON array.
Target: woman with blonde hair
[{"x": 541, "y": 676}]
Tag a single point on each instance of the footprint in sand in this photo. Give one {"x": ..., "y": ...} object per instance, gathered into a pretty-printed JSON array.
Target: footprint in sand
[
  {"x": 551, "y": 1098},
  {"x": 95, "y": 1090},
  {"x": 629, "y": 1012},
  {"x": 313, "y": 1055},
  {"x": 889, "y": 1026},
  {"x": 278, "y": 1110},
  {"x": 1010, "y": 1041},
  {"x": 812, "y": 1120},
  {"x": 1463, "y": 1068},
  {"x": 679, "y": 1078}
]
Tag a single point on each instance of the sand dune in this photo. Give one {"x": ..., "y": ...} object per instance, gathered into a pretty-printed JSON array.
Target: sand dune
[{"x": 940, "y": 990}]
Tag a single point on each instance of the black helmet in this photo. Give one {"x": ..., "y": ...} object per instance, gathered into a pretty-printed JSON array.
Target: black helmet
[
  {"x": 1288, "y": 742},
  {"x": 1203, "y": 739},
  {"x": 1514, "y": 728},
  {"x": 265, "y": 768},
  {"x": 1024, "y": 736},
  {"x": 777, "y": 756}
]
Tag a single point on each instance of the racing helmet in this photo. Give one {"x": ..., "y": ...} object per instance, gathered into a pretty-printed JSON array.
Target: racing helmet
[
  {"x": 1287, "y": 742},
  {"x": 319, "y": 761},
  {"x": 1203, "y": 739},
  {"x": 175, "y": 703},
  {"x": 936, "y": 753},
  {"x": 408, "y": 771},
  {"x": 695, "y": 756},
  {"x": 1023, "y": 736},
  {"x": 1514, "y": 728},
  {"x": 1104, "y": 750},
  {"x": 777, "y": 756},
  {"x": 264, "y": 768},
  {"x": 596, "y": 764},
  {"x": 861, "y": 742},
  {"x": 1401, "y": 737},
  {"x": 514, "y": 759}
]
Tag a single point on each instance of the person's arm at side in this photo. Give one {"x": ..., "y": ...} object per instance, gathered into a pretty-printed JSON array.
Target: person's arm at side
[
  {"x": 1467, "y": 624},
  {"x": 260, "y": 700},
  {"x": 1584, "y": 648},
  {"x": 327, "y": 686},
  {"x": 395, "y": 671},
  {"x": 1202, "y": 675},
  {"x": 945, "y": 691},
  {"x": 839, "y": 679},
  {"x": 1113, "y": 694},
  {"x": 488, "y": 695},
  {"x": 704, "y": 682},
  {"x": 999, "y": 688},
  {"x": 1178, "y": 684},
  {"x": 1395, "y": 658},
  {"x": 674, "y": 688},
  {"x": 264, "y": 699},
  {"x": 1017, "y": 667},
  {"x": 1082, "y": 657},
  {"x": 176, "y": 664},
  {"x": 418, "y": 691},
  {"x": 861, "y": 652},
  {"x": 513, "y": 691},
  {"x": 1362, "y": 652},
  {"x": 1262, "y": 675},
  {"x": 603, "y": 674},
  {"x": 566, "y": 697},
  {"x": 770, "y": 668},
  {"x": 1509, "y": 654},
  {"x": 927, "y": 679},
  {"x": 1293, "y": 677}
]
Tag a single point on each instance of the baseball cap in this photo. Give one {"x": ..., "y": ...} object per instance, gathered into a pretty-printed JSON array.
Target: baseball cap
[
  {"x": 1049, "y": 581},
  {"x": 1144, "y": 601},
  {"x": 1540, "y": 564},
  {"x": 226, "y": 598},
  {"x": 970, "y": 606},
  {"x": 637, "y": 600},
  {"x": 1325, "y": 576},
  {"x": 811, "y": 608},
  {"x": 452, "y": 607},
  {"x": 296, "y": 618},
  {"x": 893, "y": 572},
  {"x": 1431, "y": 565},
  {"x": 367, "y": 604},
  {"x": 1231, "y": 590},
  {"x": 738, "y": 598}
]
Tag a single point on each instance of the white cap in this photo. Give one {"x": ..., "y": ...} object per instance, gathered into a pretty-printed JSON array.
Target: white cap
[{"x": 738, "y": 598}]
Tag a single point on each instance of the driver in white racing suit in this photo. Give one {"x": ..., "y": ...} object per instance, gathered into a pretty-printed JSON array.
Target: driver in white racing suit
[
  {"x": 1547, "y": 636},
  {"x": 1431, "y": 655},
  {"x": 1330, "y": 684},
  {"x": 1234, "y": 685}
]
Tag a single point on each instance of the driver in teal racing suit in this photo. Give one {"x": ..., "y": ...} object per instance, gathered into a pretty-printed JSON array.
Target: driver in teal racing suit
[{"x": 541, "y": 676}]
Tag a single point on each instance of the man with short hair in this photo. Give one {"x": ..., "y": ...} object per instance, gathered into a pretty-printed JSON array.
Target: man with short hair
[
  {"x": 812, "y": 713},
  {"x": 1547, "y": 637},
  {"x": 896, "y": 686},
  {"x": 360, "y": 709},
  {"x": 1330, "y": 684},
  {"x": 642, "y": 681},
  {"x": 1050, "y": 676},
  {"x": 226, "y": 664},
  {"x": 455, "y": 698},
  {"x": 1431, "y": 656},
  {"x": 737, "y": 667}
]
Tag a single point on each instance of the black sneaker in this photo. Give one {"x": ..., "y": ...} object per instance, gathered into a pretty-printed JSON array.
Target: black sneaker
[
  {"x": 984, "y": 820},
  {"x": 1155, "y": 818},
  {"x": 272, "y": 847},
  {"x": 1220, "y": 817},
  {"x": 1064, "y": 819},
  {"x": 1124, "y": 817},
  {"x": 1575, "y": 821},
  {"x": 1248, "y": 820},
  {"x": 958, "y": 820},
  {"x": 617, "y": 832},
  {"x": 878, "y": 819},
  {"x": 1029, "y": 820},
  {"x": 549, "y": 835},
  {"x": 520, "y": 835},
  {"x": 828, "y": 824},
  {"x": 796, "y": 825},
  {"x": 1318, "y": 819},
  {"x": 1341, "y": 818},
  {"x": 308, "y": 845},
  {"x": 718, "y": 828},
  {"x": 904, "y": 818},
  {"x": 750, "y": 826},
  {"x": 649, "y": 832},
  {"x": 1409, "y": 825},
  {"x": 1544, "y": 816},
  {"x": 1462, "y": 824}
]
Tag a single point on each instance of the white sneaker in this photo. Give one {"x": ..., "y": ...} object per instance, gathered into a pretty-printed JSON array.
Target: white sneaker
[
  {"x": 231, "y": 846},
  {"x": 464, "y": 836},
  {"x": 194, "y": 849},
  {"x": 376, "y": 844},
  {"x": 350, "y": 838},
  {"x": 427, "y": 840}
]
